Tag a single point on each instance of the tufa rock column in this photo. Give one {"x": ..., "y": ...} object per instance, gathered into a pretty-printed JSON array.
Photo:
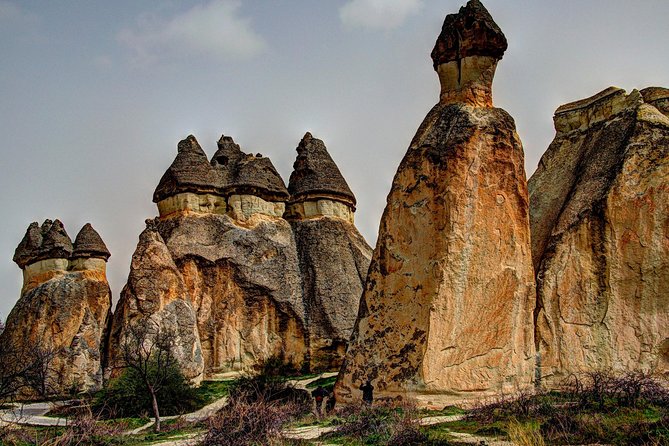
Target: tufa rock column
[
  {"x": 65, "y": 304},
  {"x": 600, "y": 236},
  {"x": 333, "y": 256},
  {"x": 449, "y": 297}
]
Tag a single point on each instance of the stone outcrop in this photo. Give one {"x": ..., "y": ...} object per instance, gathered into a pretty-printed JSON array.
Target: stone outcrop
[
  {"x": 449, "y": 298},
  {"x": 333, "y": 256},
  {"x": 234, "y": 182},
  {"x": 65, "y": 304},
  {"x": 600, "y": 239},
  {"x": 238, "y": 282}
]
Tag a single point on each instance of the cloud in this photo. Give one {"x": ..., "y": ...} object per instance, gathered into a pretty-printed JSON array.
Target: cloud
[
  {"x": 378, "y": 14},
  {"x": 214, "y": 29},
  {"x": 13, "y": 14}
]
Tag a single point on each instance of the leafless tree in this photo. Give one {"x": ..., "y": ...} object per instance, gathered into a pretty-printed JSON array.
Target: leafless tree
[
  {"x": 41, "y": 375},
  {"x": 23, "y": 368},
  {"x": 146, "y": 349}
]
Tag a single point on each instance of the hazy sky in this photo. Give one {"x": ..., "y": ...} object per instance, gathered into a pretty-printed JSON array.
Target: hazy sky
[{"x": 95, "y": 95}]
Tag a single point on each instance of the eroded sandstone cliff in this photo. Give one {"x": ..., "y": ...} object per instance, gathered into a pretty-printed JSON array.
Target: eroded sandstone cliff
[
  {"x": 240, "y": 283},
  {"x": 600, "y": 236},
  {"x": 448, "y": 301}
]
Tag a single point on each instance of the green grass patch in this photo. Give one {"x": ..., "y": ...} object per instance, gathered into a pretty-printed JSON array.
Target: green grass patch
[
  {"x": 210, "y": 391},
  {"x": 325, "y": 382}
]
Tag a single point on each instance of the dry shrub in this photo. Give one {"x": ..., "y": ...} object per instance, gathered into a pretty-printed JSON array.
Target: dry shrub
[
  {"x": 259, "y": 407},
  {"x": 87, "y": 430},
  {"x": 392, "y": 423},
  {"x": 525, "y": 434},
  {"x": 249, "y": 423}
]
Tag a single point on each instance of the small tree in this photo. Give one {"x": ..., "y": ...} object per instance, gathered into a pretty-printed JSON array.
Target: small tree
[
  {"x": 146, "y": 350},
  {"x": 26, "y": 368},
  {"x": 41, "y": 376}
]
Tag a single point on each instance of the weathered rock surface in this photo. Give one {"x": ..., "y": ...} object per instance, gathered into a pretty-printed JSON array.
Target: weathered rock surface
[
  {"x": 62, "y": 310},
  {"x": 600, "y": 236},
  {"x": 448, "y": 301},
  {"x": 239, "y": 282}
]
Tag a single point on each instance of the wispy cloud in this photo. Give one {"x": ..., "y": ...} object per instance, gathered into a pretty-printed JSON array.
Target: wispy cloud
[
  {"x": 215, "y": 29},
  {"x": 12, "y": 13},
  {"x": 378, "y": 14}
]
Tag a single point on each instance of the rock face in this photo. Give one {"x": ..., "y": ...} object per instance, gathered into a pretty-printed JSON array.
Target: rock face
[
  {"x": 333, "y": 256},
  {"x": 600, "y": 236},
  {"x": 239, "y": 283},
  {"x": 448, "y": 301},
  {"x": 65, "y": 304}
]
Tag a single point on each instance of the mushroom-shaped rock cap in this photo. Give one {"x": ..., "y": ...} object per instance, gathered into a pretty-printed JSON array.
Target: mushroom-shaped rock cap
[
  {"x": 56, "y": 244},
  {"x": 315, "y": 173},
  {"x": 88, "y": 243},
  {"x": 470, "y": 32},
  {"x": 242, "y": 173},
  {"x": 190, "y": 172},
  {"x": 28, "y": 248}
]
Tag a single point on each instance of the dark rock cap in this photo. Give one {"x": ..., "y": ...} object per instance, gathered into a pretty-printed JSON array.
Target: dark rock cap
[
  {"x": 50, "y": 241},
  {"x": 56, "y": 244},
  {"x": 315, "y": 173},
  {"x": 190, "y": 172},
  {"x": 470, "y": 32},
  {"x": 89, "y": 244},
  {"x": 29, "y": 246},
  {"x": 242, "y": 173}
]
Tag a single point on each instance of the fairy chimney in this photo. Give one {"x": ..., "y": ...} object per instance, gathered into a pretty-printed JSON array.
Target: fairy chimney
[
  {"x": 466, "y": 55},
  {"x": 316, "y": 186}
]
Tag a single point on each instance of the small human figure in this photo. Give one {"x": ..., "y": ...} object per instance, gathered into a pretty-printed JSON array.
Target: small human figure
[
  {"x": 330, "y": 403},
  {"x": 367, "y": 393},
  {"x": 319, "y": 395}
]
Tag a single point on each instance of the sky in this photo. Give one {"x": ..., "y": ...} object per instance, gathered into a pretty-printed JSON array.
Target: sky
[{"x": 95, "y": 95}]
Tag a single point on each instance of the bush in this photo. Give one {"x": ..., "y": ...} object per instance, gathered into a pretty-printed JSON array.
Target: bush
[
  {"x": 390, "y": 423},
  {"x": 126, "y": 396},
  {"x": 259, "y": 407}
]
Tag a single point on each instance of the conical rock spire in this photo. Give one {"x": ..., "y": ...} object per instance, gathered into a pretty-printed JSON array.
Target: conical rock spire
[
  {"x": 88, "y": 243},
  {"x": 316, "y": 174},
  {"x": 190, "y": 172}
]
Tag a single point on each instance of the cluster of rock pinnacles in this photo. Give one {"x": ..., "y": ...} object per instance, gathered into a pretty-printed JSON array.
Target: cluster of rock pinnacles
[{"x": 481, "y": 282}]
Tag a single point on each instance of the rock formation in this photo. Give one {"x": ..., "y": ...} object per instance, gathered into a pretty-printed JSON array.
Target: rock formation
[
  {"x": 600, "y": 236},
  {"x": 448, "y": 301},
  {"x": 333, "y": 256},
  {"x": 222, "y": 268},
  {"x": 65, "y": 304}
]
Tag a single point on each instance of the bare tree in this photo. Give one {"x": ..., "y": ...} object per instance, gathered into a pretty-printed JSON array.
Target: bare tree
[
  {"x": 146, "y": 349},
  {"x": 41, "y": 375},
  {"x": 24, "y": 368}
]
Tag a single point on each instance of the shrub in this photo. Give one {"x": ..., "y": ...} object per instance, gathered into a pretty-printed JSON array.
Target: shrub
[
  {"x": 126, "y": 396},
  {"x": 259, "y": 407},
  {"x": 385, "y": 423}
]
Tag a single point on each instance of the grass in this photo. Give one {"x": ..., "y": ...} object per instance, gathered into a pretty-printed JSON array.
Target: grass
[
  {"x": 324, "y": 382},
  {"x": 211, "y": 391}
]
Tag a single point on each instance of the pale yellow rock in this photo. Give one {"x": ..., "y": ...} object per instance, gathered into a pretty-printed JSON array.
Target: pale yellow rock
[
  {"x": 467, "y": 81},
  {"x": 43, "y": 270},
  {"x": 242, "y": 207},
  {"x": 600, "y": 232},
  {"x": 88, "y": 264},
  {"x": 320, "y": 208},
  {"x": 188, "y": 202}
]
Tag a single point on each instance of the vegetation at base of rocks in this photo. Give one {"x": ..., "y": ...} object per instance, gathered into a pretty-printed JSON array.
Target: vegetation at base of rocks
[
  {"x": 326, "y": 383},
  {"x": 126, "y": 395},
  {"x": 259, "y": 407},
  {"x": 598, "y": 407},
  {"x": 384, "y": 423},
  {"x": 91, "y": 431}
]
